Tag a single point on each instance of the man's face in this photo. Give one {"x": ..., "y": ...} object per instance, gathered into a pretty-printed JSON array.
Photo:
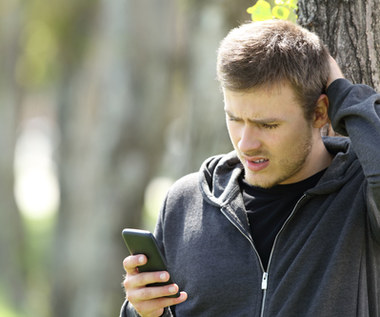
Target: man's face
[{"x": 270, "y": 134}]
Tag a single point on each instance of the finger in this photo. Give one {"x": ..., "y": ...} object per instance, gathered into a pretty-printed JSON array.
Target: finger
[
  {"x": 155, "y": 307},
  {"x": 131, "y": 263},
  {"x": 142, "y": 279},
  {"x": 152, "y": 292},
  {"x": 335, "y": 71}
]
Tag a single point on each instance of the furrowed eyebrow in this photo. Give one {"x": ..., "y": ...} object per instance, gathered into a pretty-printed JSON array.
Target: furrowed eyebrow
[
  {"x": 255, "y": 121},
  {"x": 230, "y": 114}
]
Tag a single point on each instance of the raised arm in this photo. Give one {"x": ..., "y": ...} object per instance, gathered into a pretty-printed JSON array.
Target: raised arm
[
  {"x": 335, "y": 72},
  {"x": 355, "y": 112}
]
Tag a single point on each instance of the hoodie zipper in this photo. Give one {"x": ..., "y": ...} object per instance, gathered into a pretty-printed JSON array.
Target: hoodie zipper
[
  {"x": 264, "y": 279},
  {"x": 264, "y": 282},
  {"x": 264, "y": 285},
  {"x": 265, "y": 276}
]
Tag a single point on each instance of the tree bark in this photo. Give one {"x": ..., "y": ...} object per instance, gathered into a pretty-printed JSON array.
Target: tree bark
[{"x": 350, "y": 29}]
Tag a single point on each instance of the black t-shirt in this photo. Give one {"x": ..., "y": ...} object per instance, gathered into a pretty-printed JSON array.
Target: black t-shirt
[{"x": 268, "y": 209}]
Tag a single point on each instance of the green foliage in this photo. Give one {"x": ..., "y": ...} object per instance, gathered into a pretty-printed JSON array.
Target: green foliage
[
  {"x": 7, "y": 312},
  {"x": 277, "y": 9},
  {"x": 54, "y": 36},
  {"x": 5, "y": 309},
  {"x": 35, "y": 66}
]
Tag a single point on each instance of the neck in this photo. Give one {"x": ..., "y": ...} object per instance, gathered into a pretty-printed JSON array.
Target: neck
[{"x": 319, "y": 157}]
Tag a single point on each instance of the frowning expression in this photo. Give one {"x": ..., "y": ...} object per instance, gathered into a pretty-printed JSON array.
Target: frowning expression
[{"x": 270, "y": 134}]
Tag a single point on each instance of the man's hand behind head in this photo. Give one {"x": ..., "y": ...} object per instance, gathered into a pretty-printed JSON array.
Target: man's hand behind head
[{"x": 335, "y": 72}]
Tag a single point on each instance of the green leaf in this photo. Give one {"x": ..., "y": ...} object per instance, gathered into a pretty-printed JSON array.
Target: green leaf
[
  {"x": 280, "y": 12},
  {"x": 292, "y": 4},
  {"x": 261, "y": 11}
]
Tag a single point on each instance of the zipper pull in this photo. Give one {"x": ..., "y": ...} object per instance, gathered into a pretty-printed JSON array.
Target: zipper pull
[{"x": 264, "y": 281}]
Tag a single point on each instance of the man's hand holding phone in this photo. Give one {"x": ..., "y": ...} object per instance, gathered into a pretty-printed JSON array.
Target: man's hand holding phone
[{"x": 147, "y": 283}]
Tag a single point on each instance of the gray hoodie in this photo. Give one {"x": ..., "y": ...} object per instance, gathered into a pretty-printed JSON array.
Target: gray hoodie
[{"x": 325, "y": 261}]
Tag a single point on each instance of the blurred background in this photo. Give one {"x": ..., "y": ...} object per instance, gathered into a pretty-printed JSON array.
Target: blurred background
[{"x": 103, "y": 104}]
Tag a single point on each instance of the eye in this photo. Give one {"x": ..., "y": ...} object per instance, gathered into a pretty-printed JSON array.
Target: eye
[
  {"x": 270, "y": 126},
  {"x": 233, "y": 119}
]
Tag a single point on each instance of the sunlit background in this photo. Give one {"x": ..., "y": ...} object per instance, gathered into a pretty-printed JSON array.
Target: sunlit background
[
  {"x": 102, "y": 108},
  {"x": 103, "y": 105},
  {"x": 36, "y": 179}
]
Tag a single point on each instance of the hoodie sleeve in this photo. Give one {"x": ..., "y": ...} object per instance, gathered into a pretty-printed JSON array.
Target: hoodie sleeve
[
  {"x": 127, "y": 310},
  {"x": 354, "y": 111}
]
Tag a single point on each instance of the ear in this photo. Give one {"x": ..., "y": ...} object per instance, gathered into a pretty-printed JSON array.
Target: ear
[{"x": 321, "y": 112}]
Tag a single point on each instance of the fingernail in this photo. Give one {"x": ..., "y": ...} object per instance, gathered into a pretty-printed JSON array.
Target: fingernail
[
  {"x": 172, "y": 289},
  {"x": 163, "y": 276},
  {"x": 141, "y": 259}
]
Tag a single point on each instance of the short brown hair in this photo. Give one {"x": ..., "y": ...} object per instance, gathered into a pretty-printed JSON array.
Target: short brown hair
[{"x": 267, "y": 53}]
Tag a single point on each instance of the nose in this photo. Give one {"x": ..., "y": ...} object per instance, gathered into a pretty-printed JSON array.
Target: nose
[{"x": 249, "y": 139}]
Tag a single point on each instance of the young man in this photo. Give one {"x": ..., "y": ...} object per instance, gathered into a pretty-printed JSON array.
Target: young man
[{"x": 288, "y": 224}]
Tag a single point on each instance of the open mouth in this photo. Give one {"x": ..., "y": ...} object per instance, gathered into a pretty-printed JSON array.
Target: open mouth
[
  {"x": 259, "y": 161},
  {"x": 258, "y": 164}
]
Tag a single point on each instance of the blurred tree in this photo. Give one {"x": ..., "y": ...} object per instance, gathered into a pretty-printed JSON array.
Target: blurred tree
[
  {"x": 198, "y": 129},
  {"x": 103, "y": 168},
  {"x": 11, "y": 234},
  {"x": 350, "y": 29},
  {"x": 139, "y": 100},
  {"x": 115, "y": 99}
]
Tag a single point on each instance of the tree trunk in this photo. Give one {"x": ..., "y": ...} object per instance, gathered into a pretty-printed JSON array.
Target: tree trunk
[
  {"x": 112, "y": 117},
  {"x": 199, "y": 130},
  {"x": 11, "y": 232},
  {"x": 350, "y": 29}
]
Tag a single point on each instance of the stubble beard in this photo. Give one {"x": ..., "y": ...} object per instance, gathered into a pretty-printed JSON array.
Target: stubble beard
[{"x": 288, "y": 170}]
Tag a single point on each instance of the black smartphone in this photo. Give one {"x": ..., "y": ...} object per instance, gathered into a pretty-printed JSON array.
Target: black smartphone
[{"x": 143, "y": 242}]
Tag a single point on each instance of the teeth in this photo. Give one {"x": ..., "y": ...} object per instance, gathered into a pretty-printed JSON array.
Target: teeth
[{"x": 260, "y": 161}]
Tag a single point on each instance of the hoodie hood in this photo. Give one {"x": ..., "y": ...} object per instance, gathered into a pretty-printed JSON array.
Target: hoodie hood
[
  {"x": 219, "y": 174},
  {"x": 219, "y": 178}
]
